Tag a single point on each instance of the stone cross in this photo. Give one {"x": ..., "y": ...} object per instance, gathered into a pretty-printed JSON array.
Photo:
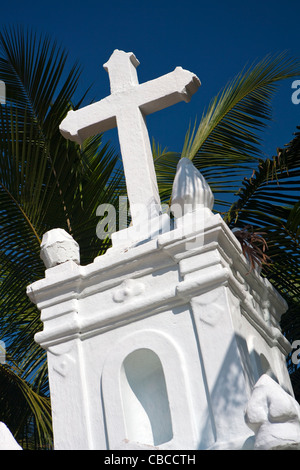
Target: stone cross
[{"x": 126, "y": 109}]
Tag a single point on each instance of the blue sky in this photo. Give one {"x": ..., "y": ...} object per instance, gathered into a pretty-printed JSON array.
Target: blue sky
[{"x": 212, "y": 39}]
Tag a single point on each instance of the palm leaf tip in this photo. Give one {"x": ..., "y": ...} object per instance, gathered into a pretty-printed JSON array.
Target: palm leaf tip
[{"x": 232, "y": 123}]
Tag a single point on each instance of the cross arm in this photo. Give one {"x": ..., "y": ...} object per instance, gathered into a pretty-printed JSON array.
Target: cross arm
[
  {"x": 91, "y": 120},
  {"x": 149, "y": 97},
  {"x": 167, "y": 90}
]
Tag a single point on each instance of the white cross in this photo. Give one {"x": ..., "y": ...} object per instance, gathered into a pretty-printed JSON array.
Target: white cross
[{"x": 126, "y": 109}]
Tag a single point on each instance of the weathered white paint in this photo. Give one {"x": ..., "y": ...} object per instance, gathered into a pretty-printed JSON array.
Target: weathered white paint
[
  {"x": 194, "y": 318},
  {"x": 57, "y": 247}
]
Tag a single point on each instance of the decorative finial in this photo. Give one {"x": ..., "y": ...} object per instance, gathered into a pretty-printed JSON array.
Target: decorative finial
[
  {"x": 190, "y": 189},
  {"x": 57, "y": 247}
]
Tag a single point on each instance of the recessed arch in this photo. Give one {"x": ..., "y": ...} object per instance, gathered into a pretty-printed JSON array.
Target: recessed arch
[
  {"x": 171, "y": 375},
  {"x": 145, "y": 398}
]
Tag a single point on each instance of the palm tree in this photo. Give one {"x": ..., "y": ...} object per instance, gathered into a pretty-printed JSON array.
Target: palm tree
[{"x": 47, "y": 182}]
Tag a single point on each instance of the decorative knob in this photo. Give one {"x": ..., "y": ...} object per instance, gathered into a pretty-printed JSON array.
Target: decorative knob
[
  {"x": 57, "y": 247},
  {"x": 190, "y": 189}
]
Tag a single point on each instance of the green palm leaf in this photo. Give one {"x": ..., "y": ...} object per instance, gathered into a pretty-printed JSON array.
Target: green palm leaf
[
  {"x": 226, "y": 148},
  {"x": 269, "y": 201},
  {"x": 45, "y": 182},
  {"x": 228, "y": 139}
]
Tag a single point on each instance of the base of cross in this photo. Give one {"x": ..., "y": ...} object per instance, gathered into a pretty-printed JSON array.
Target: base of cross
[
  {"x": 137, "y": 234},
  {"x": 153, "y": 227}
]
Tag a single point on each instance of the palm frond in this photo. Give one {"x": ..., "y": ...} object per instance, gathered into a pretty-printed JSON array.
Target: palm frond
[
  {"x": 22, "y": 408},
  {"x": 270, "y": 202},
  {"x": 45, "y": 182},
  {"x": 228, "y": 139}
]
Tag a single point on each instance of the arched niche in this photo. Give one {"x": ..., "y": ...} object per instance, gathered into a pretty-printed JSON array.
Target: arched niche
[
  {"x": 138, "y": 367},
  {"x": 145, "y": 399}
]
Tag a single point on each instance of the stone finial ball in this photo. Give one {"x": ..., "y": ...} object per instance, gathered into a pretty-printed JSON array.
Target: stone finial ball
[{"x": 57, "y": 247}]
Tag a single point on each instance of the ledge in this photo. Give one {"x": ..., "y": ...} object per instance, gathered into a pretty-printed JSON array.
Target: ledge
[{"x": 178, "y": 274}]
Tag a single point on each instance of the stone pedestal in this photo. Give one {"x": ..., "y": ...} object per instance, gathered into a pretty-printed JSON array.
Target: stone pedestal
[{"x": 159, "y": 344}]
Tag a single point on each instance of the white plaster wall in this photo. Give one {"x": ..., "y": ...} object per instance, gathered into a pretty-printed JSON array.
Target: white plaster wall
[
  {"x": 198, "y": 308},
  {"x": 222, "y": 364},
  {"x": 254, "y": 348},
  {"x": 157, "y": 331}
]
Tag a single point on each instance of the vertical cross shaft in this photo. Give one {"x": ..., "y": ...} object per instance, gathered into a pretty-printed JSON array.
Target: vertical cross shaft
[
  {"x": 141, "y": 183},
  {"x": 133, "y": 135}
]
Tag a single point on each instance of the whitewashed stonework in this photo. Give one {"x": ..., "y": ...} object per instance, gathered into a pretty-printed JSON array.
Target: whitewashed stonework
[
  {"x": 57, "y": 247},
  {"x": 160, "y": 342}
]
